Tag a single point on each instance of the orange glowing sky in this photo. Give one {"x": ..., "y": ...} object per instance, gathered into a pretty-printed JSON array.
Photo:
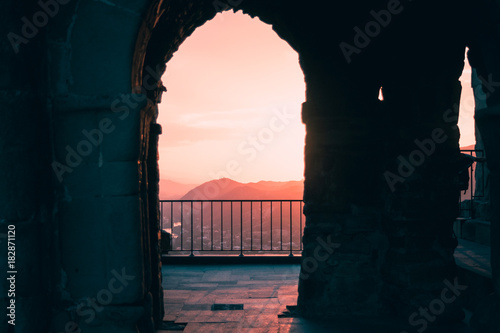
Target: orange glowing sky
[{"x": 232, "y": 106}]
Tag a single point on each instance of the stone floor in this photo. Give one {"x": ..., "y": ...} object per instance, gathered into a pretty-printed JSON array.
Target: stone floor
[
  {"x": 263, "y": 290},
  {"x": 249, "y": 298},
  {"x": 474, "y": 257}
]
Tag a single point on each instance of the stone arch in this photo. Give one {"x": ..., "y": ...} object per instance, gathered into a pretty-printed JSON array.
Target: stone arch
[
  {"x": 105, "y": 85},
  {"x": 110, "y": 78},
  {"x": 93, "y": 56}
]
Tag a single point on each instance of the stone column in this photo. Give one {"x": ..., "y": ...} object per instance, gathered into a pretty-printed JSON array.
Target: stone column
[
  {"x": 421, "y": 192},
  {"x": 25, "y": 210},
  {"x": 25, "y": 190},
  {"x": 488, "y": 123},
  {"x": 154, "y": 221},
  {"x": 344, "y": 247},
  {"x": 485, "y": 318},
  {"x": 381, "y": 190},
  {"x": 484, "y": 55},
  {"x": 97, "y": 147},
  {"x": 482, "y": 206}
]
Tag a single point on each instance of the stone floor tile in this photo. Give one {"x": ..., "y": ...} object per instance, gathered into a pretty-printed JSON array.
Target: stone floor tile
[{"x": 264, "y": 291}]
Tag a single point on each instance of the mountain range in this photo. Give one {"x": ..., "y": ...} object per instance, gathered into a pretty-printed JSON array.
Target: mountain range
[{"x": 228, "y": 189}]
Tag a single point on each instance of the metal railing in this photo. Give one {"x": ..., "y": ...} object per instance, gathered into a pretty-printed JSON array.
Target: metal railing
[
  {"x": 262, "y": 227},
  {"x": 475, "y": 190},
  {"x": 259, "y": 227}
]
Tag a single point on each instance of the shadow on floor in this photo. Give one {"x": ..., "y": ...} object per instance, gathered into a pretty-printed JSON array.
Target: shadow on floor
[
  {"x": 248, "y": 299},
  {"x": 300, "y": 325}
]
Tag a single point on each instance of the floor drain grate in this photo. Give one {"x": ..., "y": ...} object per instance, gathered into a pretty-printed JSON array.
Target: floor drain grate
[
  {"x": 218, "y": 307},
  {"x": 173, "y": 326}
]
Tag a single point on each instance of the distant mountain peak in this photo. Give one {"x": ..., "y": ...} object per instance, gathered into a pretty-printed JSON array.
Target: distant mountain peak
[{"x": 228, "y": 189}]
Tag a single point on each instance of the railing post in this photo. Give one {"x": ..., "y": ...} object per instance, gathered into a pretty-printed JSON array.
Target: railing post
[
  {"x": 251, "y": 225},
  {"x": 221, "y": 226},
  {"x": 172, "y": 223},
  {"x": 271, "y": 204},
  {"x": 182, "y": 225},
  {"x": 232, "y": 222},
  {"x": 212, "y": 224},
  {"x": 202, "y": 234},
  {"x": 281, "y": 225},
  {"x": 291, "y": 238},
  {"x": 161, "y": 215},
  {"x": 301, "y": 229},
  {"x": 192, "y": 234},
  {"x": 471, "y": 188},
  {"x": 241, "y": 228},
  {"x": 261, "y": 231}
]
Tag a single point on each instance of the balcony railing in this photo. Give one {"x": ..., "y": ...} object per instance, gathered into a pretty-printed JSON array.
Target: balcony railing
[
  {"x": 476, "y": 190},
  {"x": 244, "y": 227},
  {"x": 260, "y": 227}
]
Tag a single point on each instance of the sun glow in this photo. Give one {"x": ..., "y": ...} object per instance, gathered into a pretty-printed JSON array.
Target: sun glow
[{"x": 233, "y": 104}]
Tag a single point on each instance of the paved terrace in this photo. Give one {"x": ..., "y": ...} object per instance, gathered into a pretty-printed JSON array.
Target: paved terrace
[{"x": 249, "y": 298}]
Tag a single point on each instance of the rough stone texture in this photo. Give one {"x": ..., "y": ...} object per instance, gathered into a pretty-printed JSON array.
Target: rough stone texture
[
  {"x": 155, "y": 225},
  {"x": 482, "y": 206},
  {"x": 18, "y": 198},
  {"x": 419, "y": 213},
  {"x": 483, "y": 57},
  {"x": 25, "y": 194},
  {"x": 488, "y": 119}
]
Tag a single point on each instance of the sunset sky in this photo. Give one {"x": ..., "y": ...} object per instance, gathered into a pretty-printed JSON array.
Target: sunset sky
[{"x": 232, "y": 106}]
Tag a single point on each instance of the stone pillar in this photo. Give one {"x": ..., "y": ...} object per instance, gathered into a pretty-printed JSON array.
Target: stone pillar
[
  {"x": 421, "y": 192},
  {"x": 485, "y": 318},
  {"x": 344, "y": 247},
  {"x": 97, "y": 147},
  {"x": 146, "y": 323},
  {"x": 482, "y": 206},
  {"x": 484, "y": 55},
  {"x": 489, "y": 122},
  {"x": 149, "y": 171},
  {"x": 26, "y": 197},
  {"x": 381, "y": 190},
  {"x": 154, "y": 222},
  {"x": 25, "y": 209}
]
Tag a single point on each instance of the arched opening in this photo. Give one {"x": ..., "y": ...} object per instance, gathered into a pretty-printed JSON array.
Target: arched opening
[
  {"x": 474, "y": 195},
  {"x": 467, "y": 105},
  {"x": 232, "y": 130},
  {"x": 232, "y": 106}
]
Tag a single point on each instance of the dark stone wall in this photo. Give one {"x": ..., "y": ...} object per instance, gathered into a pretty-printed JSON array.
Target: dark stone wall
[
  {"x": 26, "y": 198},
  {"x": 390, "y": 221},
  {"x": 78, "y": 141}
]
